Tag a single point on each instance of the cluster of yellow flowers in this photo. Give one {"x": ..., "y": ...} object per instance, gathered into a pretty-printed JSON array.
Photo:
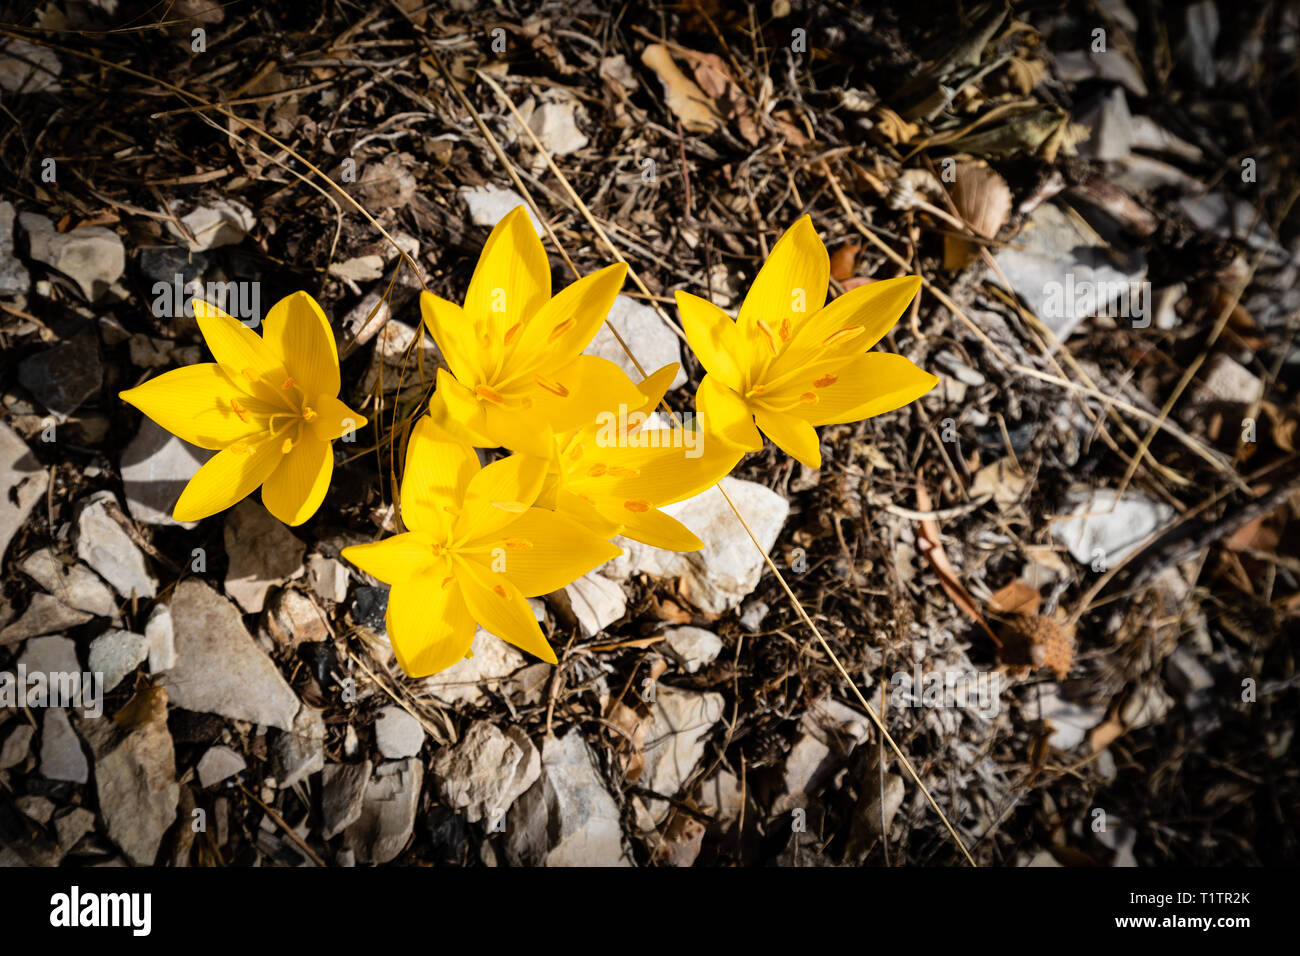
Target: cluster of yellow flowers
[{"x": 587, "y": 461}]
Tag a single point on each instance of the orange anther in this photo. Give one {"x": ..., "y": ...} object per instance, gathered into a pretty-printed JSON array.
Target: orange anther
[
  {"x": 827, "y": 379},
  {"x": 555, "y": 388},
  {"x": 844, "y": 335},
  {"x": 637, "y": 505}
]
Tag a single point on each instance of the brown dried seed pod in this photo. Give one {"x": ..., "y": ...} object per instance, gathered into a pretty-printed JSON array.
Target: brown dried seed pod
[{"x": 983, "y": 199}]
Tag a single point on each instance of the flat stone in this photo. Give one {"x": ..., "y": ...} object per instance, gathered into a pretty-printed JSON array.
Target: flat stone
[
  {"x": 73, "y": 584},
  {"x": 106, "y": 547},
  {"x": 828, "y": 733},
  {"x": 388, "y": 810},
  {"x": 295, "y": 620},
  {"x": 219, "y": 668},
  {"x": 161, "y": 635},
  {"x": 646, "y": 334},
  {"x": 218, "y": 764},
  {"x": 115, "y": 654},
  {"x": 14, "y": 280},
  {"x": 724, "y": 794},
  {"x": 297, "y": 755},
  {"x": 28, "y": 68},
  {"x": 93, "y": 257},
  {"x": 137, "y": 788},
  {"x": 467, "y": 680},
  {"x": 44, "y": 615},
  {"x": 398, "y": 734},
  {"x": 22, "y": 483},
  {"x": 328, "y": 578},
  {"x": 343, "y": 789},
  {"x": 693, "y": 646},
  {"x": 567, "y": 818},
  {"x": 728, "y": 568},
  {"x": 1054, "y": 261},
  {"x": 555, "y": 125},
  {"x": 674, "y": 741},
  {"x": 223, "y": 223},
  {"x": 61, "y": 755},
  {"x": 1104, "y": 529},
  {"x": 489, "y": 204},
  {"x": 62, "y": 377},
  {"x": 36, "y": 808},
  {"x": 72, "y": 826},
  {"x": 596, "y": 602},
  {"x": 486, "y": 771},
  {"x": 156, "y": 467},
  {"x": 50, "y": 655},
  {"x": 17, "y": 746},
  {"x": 263, "y": 554}
]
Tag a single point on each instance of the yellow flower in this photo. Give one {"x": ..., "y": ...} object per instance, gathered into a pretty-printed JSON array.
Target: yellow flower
[
  {"x": 614, "y": 474},
  {"x": 475, "y": 550},
  {"x": 269, "y": 403},
  {"x": 790, "y": 362},
  {"x": 515, "y": 352}
]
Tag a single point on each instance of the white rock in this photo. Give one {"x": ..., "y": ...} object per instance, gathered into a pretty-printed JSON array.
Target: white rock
[
  {"x": 17, "y": 746},
  {"x": 398, "y": 734},
  {"x": 217, "y": 764},
  {"x": 328, "y": 578},
  {"x": 1111, "y": 125},
  {"x": 568, "y": 817},
  {"x": 92, "y": 256},
  {"x": 343, "y": 790},
  {"x": 50, "y": 655},
  {"x": 724, "y": 793},
  {"x": 156, "y": 467},
  {"x": 28, "y": 68},
  {"x": 693, "y": 646},
  {"x": 138, "y": 793},
  {"x": 73, "y": 584},
  {"x": 486, "y": 771},
  {"x": 161, "y": 635},
  {"x": 467, "y": 680},
  {"x": 44, "y": 615},
  {"x": 1069, "y": 722},
  {"x": 219, "y": 668},
  {"x": 728, "y": 568},
  {"x": 263, "y": 554},
  {"x": 297, "y": 755},
  {"x": 829, "y": 731},
  {"x": 14, "y": 280},
  {"x": 489, "y": 204},
  {"x": 1225, "y": 380},
  {"x": 1055, "y": 262},
  {"x": 224, "y": 223},
  {"x": 646, "y": 334},
  {"x": 61, "y": 754},
  {"x": 106, "y": 547},
  {"x": 388, "y": 809},
  {"x": 22, "y": 483},
  {"x": 116, "y": 654},
  {"x": 1105, "y": 529},
  {"x": 557, "y": 128},
  {"x": 596, "y": 602},
  {"x": 674, "y": 741}
]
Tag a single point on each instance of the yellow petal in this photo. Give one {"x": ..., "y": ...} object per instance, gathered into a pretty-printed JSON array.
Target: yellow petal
[
  {"x": 725, "y": 416},
  {"x": 333, "y": 418},
  {"x": 398, "y": 559},
  {"x": 194, "y": 404},
  {"x": 227, "y": 477},
  {"x": 591, "y": 385},
  {"x": 792, "y": 282},
  {"x": 542, "y": 551},
  {"x": 792, "y": 435},
  {"x": 527, "y": 432},
  {"x": 872, "y": 384},
  {"x": 511, "y": 282},
  {"x": 713, "y": 337},
  {"x": 458, "y": 414},
  {"x": 585, "y": 513},
  {"x": 297, "y": 331},
  {"x": 566, "y": 324},
  {"x": 434, "y": 479},
  {"x": 873, "y": 308},
  {"x": 655, "y": 385},
  {"x": 498, "y": 495},
  {"x": 238, "y": 349},
  {"x": 659, "y": 475},
  {"x": 659, "y": 530},
  {"x": 296, "y": 488},
  {"x": 454, "y": 333},
  {"x": 500, "y": 609},
  {"x": 429, "y": 625}
]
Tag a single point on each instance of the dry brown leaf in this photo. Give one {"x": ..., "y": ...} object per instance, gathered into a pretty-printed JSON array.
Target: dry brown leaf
[
  {"x": 983, "y": 200},
  {"x": 844, "y": 261},
  {"x": 1018, "y": 597},
  {"x": 684, "y": 98},
  {"x": 892, "y": 126}
]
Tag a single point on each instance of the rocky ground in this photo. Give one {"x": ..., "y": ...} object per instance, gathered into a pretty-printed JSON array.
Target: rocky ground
[{"x": 1084, "y": 528}]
